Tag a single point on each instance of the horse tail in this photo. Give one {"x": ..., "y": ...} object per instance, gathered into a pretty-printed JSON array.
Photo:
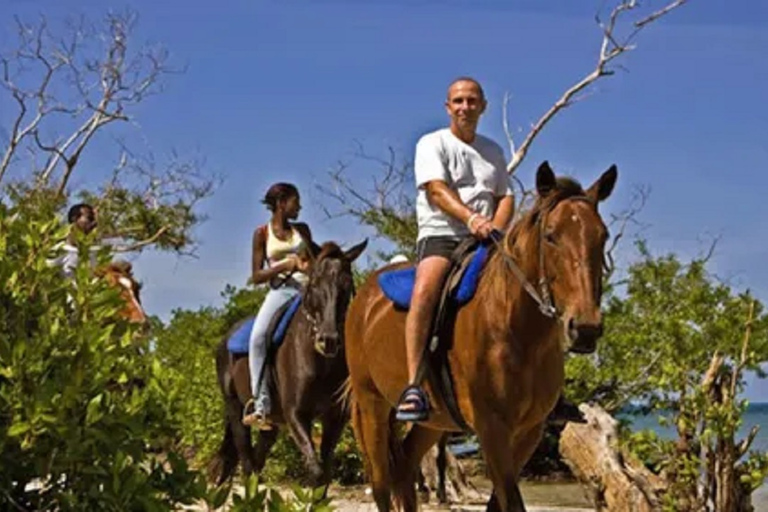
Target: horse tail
[
  {"x": 345, "y": 398},
  {"x": 224, "y": 463}
]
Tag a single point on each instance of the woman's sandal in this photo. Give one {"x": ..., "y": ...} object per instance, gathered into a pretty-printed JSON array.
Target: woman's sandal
[
  {"x": 251, "y": 417},
  {"x": 414, "y": 397}
]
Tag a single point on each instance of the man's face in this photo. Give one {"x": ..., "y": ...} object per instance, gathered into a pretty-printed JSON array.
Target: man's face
[
  {"x": 465, "y": 104},
  {"x": 86, "y": 222}
]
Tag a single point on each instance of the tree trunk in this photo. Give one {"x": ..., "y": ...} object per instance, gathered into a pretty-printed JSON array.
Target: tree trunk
[{"x": 616, "y": 482}]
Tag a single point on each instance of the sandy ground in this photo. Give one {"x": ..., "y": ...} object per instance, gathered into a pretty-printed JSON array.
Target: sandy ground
[
  {"x": 538, "y": 497},
  {"x": 556, "y": 497}
]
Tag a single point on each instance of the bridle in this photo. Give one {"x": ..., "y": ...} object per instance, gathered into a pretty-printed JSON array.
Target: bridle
[
  {"x": 543, "y": 295},
  {"x": 313, "y": 325}
]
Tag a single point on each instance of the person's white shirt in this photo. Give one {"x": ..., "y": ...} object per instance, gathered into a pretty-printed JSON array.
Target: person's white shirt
[
  {"x": 476, "y": 171},
  {"x": 68, "y": 257}
]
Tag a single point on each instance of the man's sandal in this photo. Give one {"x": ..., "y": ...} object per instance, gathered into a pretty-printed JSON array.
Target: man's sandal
[{"x": 416, "y": 405}]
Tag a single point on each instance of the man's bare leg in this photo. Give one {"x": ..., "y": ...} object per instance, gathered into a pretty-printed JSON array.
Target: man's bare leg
[{"x": 430, "y": 274}]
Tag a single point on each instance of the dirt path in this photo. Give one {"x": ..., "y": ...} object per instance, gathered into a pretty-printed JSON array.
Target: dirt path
[
  {"x": 555, "y": 497},
  {"x": 539, "y": 497}
]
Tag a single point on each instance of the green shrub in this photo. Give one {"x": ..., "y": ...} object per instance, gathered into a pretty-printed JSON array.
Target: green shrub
[{"x": 83, "y": 404}]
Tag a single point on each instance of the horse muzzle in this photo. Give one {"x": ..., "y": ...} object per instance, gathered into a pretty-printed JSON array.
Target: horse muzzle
[
  {"x": 583, "y": 336},
  {"x": 328, "y": 345}
]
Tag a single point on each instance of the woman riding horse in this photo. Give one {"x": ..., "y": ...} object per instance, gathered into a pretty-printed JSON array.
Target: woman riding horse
[
  {"x": 309, "y": 371},
  {"x": 276, "y": 244}
]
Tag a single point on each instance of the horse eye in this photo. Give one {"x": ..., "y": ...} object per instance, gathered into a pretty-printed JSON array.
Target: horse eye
[{"x": 549, "y": 237}]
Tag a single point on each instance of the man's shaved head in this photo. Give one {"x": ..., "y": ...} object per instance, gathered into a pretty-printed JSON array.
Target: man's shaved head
[{"x": 470, "y": 80}]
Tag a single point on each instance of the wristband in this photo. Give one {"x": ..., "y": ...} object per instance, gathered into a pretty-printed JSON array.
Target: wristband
[{"x": 471, "y": 218}]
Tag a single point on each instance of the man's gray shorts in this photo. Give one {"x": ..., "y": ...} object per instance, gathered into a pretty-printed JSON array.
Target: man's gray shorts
[{"x": 436, "y": 246}]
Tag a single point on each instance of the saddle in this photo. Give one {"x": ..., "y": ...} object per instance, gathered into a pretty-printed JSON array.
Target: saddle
[
  {"x": 237, "y": 344},
  {"x": 460, "y": 285}
]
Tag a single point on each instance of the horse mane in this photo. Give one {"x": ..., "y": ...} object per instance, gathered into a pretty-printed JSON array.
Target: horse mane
[
  {"x": 565, "y": 188},
  {"x": 330, "y": 250},
  {"x": 518, "y": 236}
]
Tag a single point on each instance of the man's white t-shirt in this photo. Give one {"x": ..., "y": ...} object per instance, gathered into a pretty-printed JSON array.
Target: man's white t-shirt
[
  {"x": 476, "y": 171},
  {"x": 69, "y": 257}
]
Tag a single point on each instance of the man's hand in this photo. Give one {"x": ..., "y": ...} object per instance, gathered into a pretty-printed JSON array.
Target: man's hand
[{"x": 480, "y": 226}]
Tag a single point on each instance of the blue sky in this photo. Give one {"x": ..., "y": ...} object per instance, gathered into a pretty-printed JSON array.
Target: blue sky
[{"x": 280, "y": 90}]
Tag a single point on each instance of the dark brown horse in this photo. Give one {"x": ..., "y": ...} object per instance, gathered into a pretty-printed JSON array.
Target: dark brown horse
[
  {"x": 507, "y": 346},
  {"x": 307, "y": 374}
]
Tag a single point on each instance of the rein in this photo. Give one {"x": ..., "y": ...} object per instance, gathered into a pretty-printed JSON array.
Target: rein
[{"x": 543, "y": 298}]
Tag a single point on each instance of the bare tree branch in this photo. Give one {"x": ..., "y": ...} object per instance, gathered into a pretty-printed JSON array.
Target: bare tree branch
[
  {"x": 619, "y": 224},
  {"x": 147, "y": 203},
  {"x": 736, "y": 375},
  {"x": 612, "y": 46},
  {"x": 381, "y": 203},
  {"x": 658, "y": 14},
  {"x": 107, "y": 82}
]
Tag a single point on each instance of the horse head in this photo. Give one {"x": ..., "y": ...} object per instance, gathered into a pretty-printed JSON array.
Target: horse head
[
  {"x": 569, "y": 238},
  {"x": 327, "y": 294},
  {"x": 120, "y": 274}
]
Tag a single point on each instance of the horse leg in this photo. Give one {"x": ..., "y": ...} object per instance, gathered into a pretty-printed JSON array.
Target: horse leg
[
  {"x": 333, "y": 425},
  {"x": 514, "y": 500},
  {"x": 370, "y": 419},
  {"x": 264, "y": 444},
  {"x": 505, "y": 454},
  {"x": 442, "y": 463},
  {"x": 300, "y": 425},
  {"x": 416, "y": 444}
]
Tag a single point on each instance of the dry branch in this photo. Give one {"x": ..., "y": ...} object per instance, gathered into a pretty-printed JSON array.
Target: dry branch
[{"x": 612, "y": 46}]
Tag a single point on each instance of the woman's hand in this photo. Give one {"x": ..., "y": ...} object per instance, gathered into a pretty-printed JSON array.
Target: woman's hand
[
  {"x": 295, "y": 264},
  {"x": 302, "y": 265}
]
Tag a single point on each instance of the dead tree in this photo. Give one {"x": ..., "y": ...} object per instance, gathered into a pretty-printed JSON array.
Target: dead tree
[
  {"x": 388, "y": 207},
  {"x": 617, "y": 482},
  {"x": 71, "y": 82}
]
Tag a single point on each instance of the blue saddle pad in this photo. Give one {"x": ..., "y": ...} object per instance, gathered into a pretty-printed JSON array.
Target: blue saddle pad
[
  {"x": 238, "y": 342},
  {"x": 285, "y": 321},
  {"x": 397, "y": 285}
]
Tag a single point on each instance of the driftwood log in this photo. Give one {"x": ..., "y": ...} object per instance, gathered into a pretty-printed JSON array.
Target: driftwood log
[{"x": 615, "y": 482}]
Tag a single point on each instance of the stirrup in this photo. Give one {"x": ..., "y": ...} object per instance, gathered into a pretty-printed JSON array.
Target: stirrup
[
  {"x": 255, "y": 418},
  {"x": 416, "y": 397}
]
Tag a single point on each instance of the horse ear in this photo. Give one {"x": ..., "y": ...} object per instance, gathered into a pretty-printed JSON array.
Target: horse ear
[
  {"x": 353, "y": 252},
  {"x": 602, "y": 188},
  {"x": 545, "y": 179}
]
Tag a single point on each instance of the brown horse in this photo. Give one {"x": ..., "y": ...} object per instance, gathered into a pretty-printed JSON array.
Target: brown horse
[
  {"x": 307, "y": 375},
  {"x": 507, "y": 346},
  {"x": 120, "y": 275}
]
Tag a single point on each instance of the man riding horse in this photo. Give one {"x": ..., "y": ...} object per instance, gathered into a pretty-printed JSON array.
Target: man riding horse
[
  {"x": 463, "y": 191},
  {"x": 82, "y": 220}
]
